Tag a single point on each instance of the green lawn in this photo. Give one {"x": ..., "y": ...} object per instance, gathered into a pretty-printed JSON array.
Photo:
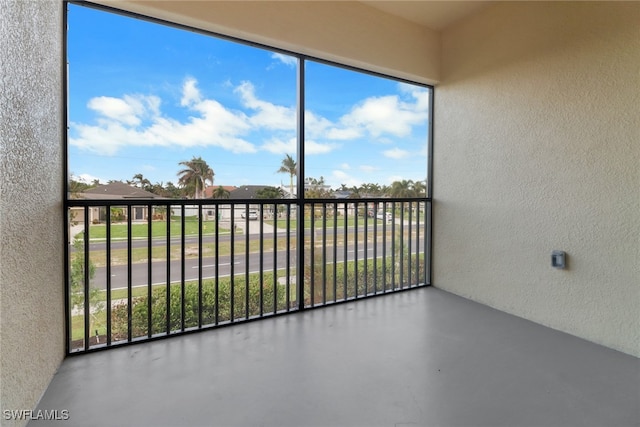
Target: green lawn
[{"x": 158, "y": 229}]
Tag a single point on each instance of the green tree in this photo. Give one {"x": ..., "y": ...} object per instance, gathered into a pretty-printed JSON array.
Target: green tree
[
  {"x": 289, "y": 166},
  {"x": 269, "y": 193},
  {"x": 172, "y": 191},
  {"x": 404, "y": 188},
  {"x": 420, "y": 189},
  {"x": 220, "y": 193},
  {"x": 370, "y": 190},
  {"x": 76, "y": 187},
  {"x": 141, "y": 182},
  {"x": 194, "y": 177},
  {"x": 316, "y": 189}
]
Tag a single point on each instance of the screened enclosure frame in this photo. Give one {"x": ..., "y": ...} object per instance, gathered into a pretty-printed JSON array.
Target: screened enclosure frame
[{"x": 410, "y": 211}]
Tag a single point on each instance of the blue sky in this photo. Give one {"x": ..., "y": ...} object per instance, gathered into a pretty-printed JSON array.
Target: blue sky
[{"x": 143, "y": 97}]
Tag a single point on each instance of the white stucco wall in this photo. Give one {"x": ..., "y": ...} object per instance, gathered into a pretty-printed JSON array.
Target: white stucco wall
[
  {"x": 537, "y": 147},
  {"x": 31, "y": 263}
]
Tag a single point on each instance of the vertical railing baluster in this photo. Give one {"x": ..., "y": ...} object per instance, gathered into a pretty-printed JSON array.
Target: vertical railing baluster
[
  {"x": 375, "y": 249},
  {"x": 410, "y": 264},
  {"x": 300, "y": 254},
  {"x": 232, "y": 251},
  {"x": 355, "y": 248},
  {"x": 129, "y": 277},
  {"x": 384, "y": 247},
  {"x": 345, "y": 263},
  {"x": 85, "y": 279},
  {"x": 108, "y": 273},
  {"x": 416, "y": 206},
  {"x": 417, "y": 267},
  {"x": 216, "y": 284},
  {"x": 335, "y": 251},
  {"x": 200, "y": 266},
  {"x": 261, "y": 260},
  {"x": 428, "y": 229},
  {"x": 312, "y": 253},
  {"x": 366, "y": 250},
  {"x": 182, "y": 266},
  {"x": 401, "y": 278},
  {"x": 288, "y": 257},
  {"x": 393, "y": 245},
  {"x": 419, "y": 238},
  {"x": 168, "y": 268},
  {"x": 149, "y": 270},
  {"x": 324, "y": 253},
  {"x": 275, "y": 258},
  {"x": 246, "y": 262}
]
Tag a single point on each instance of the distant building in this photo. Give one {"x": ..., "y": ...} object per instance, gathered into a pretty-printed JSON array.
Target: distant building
[
  {"x": 210, "y": 190},
  {"x": 113, "y": 190}
]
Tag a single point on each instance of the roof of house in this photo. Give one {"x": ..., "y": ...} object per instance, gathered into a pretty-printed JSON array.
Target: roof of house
[
  {"x": 246, "y": 192},
  {"x": 208, "y": 191},
  {"x": 118, "y": 190}
]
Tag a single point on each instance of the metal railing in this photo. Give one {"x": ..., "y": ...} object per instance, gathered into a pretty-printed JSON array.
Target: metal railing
[{"x": 146, "y": 269}]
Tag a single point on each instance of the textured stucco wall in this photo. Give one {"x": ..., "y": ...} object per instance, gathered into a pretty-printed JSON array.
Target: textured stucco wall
[
  {"x": 348, "y": 32},
  {"x": 31, "y": 264},
  {"x": 537, "y": 147}
]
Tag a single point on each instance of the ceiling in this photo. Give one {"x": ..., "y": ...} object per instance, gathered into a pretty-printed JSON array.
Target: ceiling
[{"x": 436, "y": 15}]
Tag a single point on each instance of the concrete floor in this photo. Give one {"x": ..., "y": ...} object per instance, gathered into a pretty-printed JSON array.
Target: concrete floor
[{"x": 417, "y": 358}]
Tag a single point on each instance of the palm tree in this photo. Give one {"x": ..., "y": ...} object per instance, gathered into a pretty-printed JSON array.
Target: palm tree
[
  {"x": 269, "y": 193},
  {"x": 420, "y": 188},
  {"x": 220, "y": 193},
  {"x": 288, "y": 166},
  {"x": 141, "y": 182},
  {"x": 402, "y": 188},
  {"x": 193, "y": 179}
]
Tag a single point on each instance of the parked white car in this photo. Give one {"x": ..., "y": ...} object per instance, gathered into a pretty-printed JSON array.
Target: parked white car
[
  {"x": 385, "y": 215},
  {"x": 253, "y": 215}
]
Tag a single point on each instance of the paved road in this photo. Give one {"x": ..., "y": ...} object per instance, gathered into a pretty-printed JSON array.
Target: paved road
[{"x": 140, "y": 271}]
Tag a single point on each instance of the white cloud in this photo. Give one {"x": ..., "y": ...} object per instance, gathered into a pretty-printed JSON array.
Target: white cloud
[
  {"x": 269, "y": 116},
  {"x": 136, "y": 120},
  {"x": 190, "y": 93},
  {"x": 396, "y": 153},
  {"x": 290, "y": 61},
  {"x": 86, "y": 178},
  {"x": 368, "y": 168},
  {"x": 393, "y": 178},
  {"x": 277, "y": 146},
  {"x": 311, "y": 147},
  {"x": 339, "y": 177},
  {"x": 315, "y": 126},
  {"x": 127, "y": 110},
  {"x": 344, "y": 134},
  {"x": 382, "y": 117},
  {"x": 420, "y": 95},
  {"x": 345, "y": 166}
]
